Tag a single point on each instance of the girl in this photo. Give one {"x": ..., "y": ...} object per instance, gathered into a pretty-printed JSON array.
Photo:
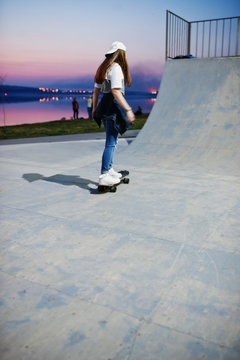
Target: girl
[{"x": 113, "y": 110}]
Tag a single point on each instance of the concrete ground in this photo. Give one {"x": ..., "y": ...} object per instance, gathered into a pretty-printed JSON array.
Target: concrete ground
[{"x": 150, "y": 272}]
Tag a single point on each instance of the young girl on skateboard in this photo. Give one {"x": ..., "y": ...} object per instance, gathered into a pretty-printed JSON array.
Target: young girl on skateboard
[{"x": 113, "y": 110}]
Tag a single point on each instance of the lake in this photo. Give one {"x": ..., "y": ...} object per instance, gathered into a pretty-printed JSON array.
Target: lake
[{"x": 56, "y": 108}]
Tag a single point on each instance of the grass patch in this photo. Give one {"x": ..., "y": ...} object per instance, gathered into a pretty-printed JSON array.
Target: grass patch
[{"x": 59, "y": 127}]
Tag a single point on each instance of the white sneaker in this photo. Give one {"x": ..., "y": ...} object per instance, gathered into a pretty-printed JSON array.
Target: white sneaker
[
  {"x": 115, "y": 174},
  {"x": 107, "y": 179}
]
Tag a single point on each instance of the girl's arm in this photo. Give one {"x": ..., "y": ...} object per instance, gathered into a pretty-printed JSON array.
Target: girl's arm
[
  {"x": 95, "y": 99},
  {"x": 118, "y": 96}
]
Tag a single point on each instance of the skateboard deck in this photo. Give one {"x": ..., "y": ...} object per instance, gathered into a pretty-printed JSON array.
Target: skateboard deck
[{"x": 113, "y": 188}]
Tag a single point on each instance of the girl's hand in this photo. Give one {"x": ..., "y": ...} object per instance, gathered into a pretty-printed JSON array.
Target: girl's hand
[
  {"x": 130, "y": 116},
  {"x": 123, "y": 103}
]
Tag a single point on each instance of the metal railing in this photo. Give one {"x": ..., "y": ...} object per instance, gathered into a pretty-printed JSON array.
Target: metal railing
[{"x": 202, "y": 39}]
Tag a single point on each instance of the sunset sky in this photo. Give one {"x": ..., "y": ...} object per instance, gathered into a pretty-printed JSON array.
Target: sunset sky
[{"x": 55, "y": 43}]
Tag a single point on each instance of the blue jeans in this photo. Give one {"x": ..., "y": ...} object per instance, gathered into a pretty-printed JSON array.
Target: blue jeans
[{"x": 110, "y": 144}]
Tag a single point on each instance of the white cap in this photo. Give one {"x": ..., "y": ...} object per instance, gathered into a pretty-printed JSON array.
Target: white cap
[{"x": 116, "y": 45}]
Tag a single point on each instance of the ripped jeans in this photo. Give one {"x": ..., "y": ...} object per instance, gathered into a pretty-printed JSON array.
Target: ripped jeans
[{"x": 110, "y": 144}]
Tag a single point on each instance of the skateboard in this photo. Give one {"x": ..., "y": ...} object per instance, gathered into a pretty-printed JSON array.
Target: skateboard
[{"x": 113, "y": 188}]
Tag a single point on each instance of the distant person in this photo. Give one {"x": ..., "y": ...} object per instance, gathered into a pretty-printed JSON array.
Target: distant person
[
  {"x": 139, "y": 111},
  {"x": 113, "y": 110},
  {"x": 89, "y": 106},
  {"x": 75, "y": 107}
]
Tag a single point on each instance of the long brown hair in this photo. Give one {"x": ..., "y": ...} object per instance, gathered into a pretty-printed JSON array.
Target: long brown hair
[{"x": 119, "y": 57}]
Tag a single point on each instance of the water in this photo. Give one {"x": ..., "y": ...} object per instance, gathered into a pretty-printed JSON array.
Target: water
[{"x": 50, "y": 109}]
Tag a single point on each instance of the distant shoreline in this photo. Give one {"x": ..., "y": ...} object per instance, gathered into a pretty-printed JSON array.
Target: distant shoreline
[{"x": 15, "y": 93}]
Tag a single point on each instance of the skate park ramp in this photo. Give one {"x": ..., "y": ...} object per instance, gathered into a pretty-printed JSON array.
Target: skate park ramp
[
  {"x": 195, "y": 122},
  {"x": 150, "y": 272}
]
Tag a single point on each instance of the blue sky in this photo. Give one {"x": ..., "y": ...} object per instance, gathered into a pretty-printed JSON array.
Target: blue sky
[{"x": 61, "y": 43}]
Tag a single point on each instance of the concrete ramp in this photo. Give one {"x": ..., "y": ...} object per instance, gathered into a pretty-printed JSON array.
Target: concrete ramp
[{"x": 195, "y": 122}]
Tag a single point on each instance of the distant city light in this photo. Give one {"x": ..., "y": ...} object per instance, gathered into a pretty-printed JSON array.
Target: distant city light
[
  {"x": 49, "y": 99},
  {"x": 53, "y": 91}
]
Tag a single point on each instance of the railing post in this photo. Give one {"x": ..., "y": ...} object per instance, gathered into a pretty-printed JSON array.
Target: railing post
[
  {"x": 166, "y": 47},
  {"x": 189, "y": 38}
]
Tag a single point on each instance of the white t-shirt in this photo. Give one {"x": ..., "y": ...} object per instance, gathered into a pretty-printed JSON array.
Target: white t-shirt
[{"x": 114, "y": 80}]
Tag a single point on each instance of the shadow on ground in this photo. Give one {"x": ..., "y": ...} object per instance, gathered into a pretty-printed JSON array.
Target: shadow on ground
[{"x": 66, "y": 180}]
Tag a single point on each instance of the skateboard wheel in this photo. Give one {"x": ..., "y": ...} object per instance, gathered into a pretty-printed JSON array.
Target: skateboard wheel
[
  {"x": 113, "y": 189},
  {"x": 101, "y": 189},
  {"x": 125, "y": 181}
]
